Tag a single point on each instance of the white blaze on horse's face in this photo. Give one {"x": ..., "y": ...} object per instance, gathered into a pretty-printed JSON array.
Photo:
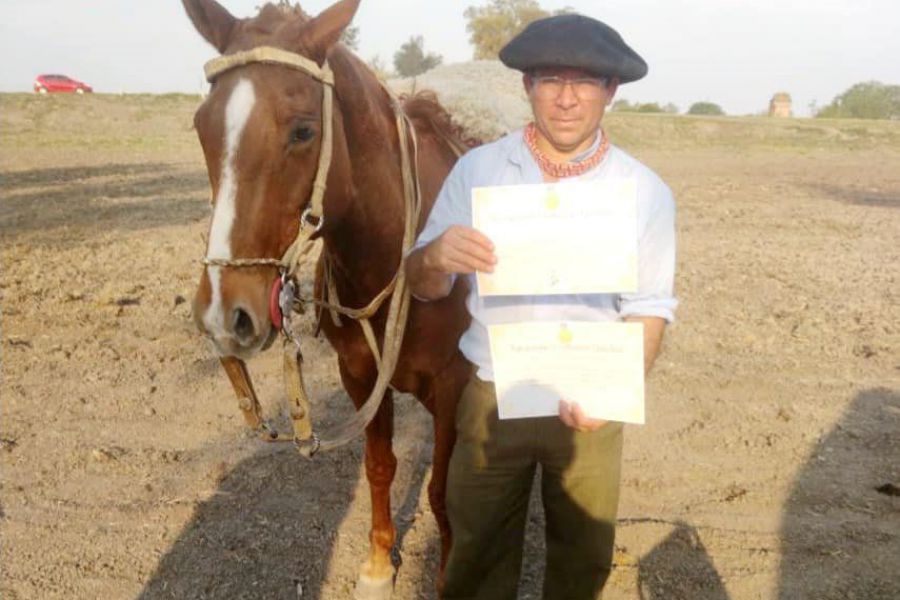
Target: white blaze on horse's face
[{"x": 237, "y": 113}]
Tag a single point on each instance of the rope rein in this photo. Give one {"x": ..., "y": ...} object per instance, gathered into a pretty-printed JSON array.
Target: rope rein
[{"x": 311, "y": 221}]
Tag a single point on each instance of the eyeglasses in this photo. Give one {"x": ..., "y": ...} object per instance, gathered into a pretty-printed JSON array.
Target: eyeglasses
[{"x": 586, "y": 88}]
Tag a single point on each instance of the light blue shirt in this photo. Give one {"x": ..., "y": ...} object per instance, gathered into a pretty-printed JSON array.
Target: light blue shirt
[{"x": 509, "y": 162}]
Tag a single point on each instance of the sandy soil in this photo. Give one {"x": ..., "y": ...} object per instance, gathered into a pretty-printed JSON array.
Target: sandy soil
[{"x": 774, "y": 412}]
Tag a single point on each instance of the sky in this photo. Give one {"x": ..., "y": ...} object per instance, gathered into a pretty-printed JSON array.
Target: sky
[{"x": 735, "y": 53}]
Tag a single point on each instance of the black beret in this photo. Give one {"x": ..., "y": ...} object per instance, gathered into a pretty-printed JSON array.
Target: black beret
[{"x": 574, "y": 41}]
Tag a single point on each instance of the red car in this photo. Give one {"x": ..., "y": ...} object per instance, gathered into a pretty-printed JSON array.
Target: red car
[{"x": 60, "y": 83}]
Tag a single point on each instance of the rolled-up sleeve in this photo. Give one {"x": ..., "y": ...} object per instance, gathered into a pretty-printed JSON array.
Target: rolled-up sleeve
[
  {"x": 656, "y": 258},
  {"x": 450, "y": 208}
]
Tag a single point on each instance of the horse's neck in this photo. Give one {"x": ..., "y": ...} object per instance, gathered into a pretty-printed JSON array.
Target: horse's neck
[{"x": 365, "y": 247}]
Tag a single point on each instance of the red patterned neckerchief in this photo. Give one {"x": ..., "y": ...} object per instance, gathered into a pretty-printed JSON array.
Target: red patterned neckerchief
[{"x": 569, "y": 169}]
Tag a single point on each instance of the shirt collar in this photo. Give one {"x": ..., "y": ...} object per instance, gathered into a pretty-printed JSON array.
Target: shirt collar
[
  {"x": 518, "y": 152},
  {"x": 590, "y": 151}
]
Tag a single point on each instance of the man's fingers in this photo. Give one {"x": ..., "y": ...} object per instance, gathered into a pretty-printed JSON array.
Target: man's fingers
[
  {"x": 468, "y": 262},
  {"x": 458, "y": 266},
  {"x": 578, "y": 414},
  {"x": 585, "y": 421},
  {"x": 478, "y": 251},
  {"x": 452, "y": 261},
  {"x": 572, "y": 415},
  {"x": 473, "y": 235},
  {"x": 565, "y": 414},
  {"x": 474, "y": 249},
  {"x": 463, "y": 250},
  {"x": 476, "y": 258}
]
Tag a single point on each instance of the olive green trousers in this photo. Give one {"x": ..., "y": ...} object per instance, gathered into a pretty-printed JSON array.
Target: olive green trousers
[{"x": 488, "y": 489}]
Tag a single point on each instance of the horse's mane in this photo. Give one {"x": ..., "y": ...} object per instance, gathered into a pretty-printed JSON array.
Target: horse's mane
[
  {"x": 273, "y": 16},
  {"x": 424, "y": 106},
  {"x": 288, "y": 9}
]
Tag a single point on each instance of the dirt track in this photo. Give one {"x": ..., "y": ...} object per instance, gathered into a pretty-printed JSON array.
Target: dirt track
[{"x": 774, "y": 412}]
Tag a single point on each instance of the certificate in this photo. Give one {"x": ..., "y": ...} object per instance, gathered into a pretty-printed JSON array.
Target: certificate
[
  {"x": 598, "y": 365},
  {"x": 561, "y": 238}
]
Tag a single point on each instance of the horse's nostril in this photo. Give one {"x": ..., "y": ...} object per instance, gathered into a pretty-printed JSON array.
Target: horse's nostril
[{"x": 243, "y": 324}]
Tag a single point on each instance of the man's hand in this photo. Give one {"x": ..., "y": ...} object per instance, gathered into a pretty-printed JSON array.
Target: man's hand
[
  {"x": 460, "y": 250},
  {"x": 572, "y": 415}
]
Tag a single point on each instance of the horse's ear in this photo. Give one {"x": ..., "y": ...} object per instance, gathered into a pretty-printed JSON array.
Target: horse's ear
[
  {"x": 321, "y": 33},
  {"x": 213, "y": 22}
]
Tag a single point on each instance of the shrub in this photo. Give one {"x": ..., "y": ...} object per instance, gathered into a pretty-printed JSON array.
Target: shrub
[
  {"x": 869, "y": 100},
  {"x": 624, "y": 105},
  {"x": 706, "y": 108},
  {"x": 649, "y": 107}
]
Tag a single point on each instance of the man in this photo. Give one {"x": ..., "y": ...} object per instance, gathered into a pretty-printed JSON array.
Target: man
[{"x": 572, "y": 68}]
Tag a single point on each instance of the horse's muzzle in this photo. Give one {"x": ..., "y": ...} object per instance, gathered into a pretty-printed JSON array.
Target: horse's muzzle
[{"x": 236, "y": 318}]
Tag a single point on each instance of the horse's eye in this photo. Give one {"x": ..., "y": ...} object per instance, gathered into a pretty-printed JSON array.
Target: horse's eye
[{"x": 302, "y": 133}]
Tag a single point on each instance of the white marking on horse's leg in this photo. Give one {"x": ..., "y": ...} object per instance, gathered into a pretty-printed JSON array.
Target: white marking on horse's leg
[
  {"x": 237, "y": 113},
  {"x": 368, "y": 588}
]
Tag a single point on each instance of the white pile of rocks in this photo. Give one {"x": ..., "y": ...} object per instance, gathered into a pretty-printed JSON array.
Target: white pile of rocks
[{"x": 483, "y": 96}]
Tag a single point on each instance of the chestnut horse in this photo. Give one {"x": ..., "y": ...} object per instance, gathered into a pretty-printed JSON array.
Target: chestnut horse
[{"x": 261, "y": 130}]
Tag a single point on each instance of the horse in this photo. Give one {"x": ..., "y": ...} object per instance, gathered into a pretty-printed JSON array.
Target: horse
[{"x": 261, "y": 129}]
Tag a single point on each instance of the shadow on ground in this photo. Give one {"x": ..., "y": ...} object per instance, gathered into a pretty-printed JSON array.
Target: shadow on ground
[
  {"x": 18, "y": 180},
  {"x": 61, "y": 204},
  {"x": 273, "y": 523},
  {"x": 679, "y": 567},
  {"x": 889, "y": 198},
  {"x": 270, "y": 525},
  {"x": 841, "y": 526}
]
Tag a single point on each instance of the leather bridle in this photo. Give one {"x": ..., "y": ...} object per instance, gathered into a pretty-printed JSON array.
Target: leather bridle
[{"x": 311, "y": 222}]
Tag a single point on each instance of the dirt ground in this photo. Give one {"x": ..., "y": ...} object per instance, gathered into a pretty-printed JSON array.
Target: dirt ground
[{"x": 769, "y": 466}]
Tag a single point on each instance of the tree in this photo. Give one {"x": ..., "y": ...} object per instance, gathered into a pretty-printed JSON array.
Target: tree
[
  {"x": 706, "y": 108},
  {"x": 869, "y": 100},
  {"x": 491, "y": 27},
  {"x": 350, "y": 37},
  {"x": 410, "y": 60}
]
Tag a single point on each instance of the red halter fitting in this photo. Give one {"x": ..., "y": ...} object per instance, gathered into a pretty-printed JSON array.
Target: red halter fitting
[{"x": 274, "y": 304}]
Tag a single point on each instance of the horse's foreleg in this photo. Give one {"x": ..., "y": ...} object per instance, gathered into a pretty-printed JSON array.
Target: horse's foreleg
[
  {"x": 448, "y": 387},
  {"x": 444, "y": 438},
  {"x": 377, "y": 574}
]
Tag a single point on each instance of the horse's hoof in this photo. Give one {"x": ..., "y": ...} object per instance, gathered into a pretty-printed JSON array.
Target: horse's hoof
[{"x": 373, "y": 589}]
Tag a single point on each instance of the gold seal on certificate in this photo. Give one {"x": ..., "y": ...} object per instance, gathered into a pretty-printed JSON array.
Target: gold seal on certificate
[
  {"x": 598, "y": 365},
  {"x": 561, "y": 238},
  {"x": 552, "y": 200}
]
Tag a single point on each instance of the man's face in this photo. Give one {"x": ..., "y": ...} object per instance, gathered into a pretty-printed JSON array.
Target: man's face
[{"x": 568, "y": 105}]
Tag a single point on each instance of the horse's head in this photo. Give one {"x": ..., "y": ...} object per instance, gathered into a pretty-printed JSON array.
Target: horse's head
[{"x": 261, "y": 128}]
